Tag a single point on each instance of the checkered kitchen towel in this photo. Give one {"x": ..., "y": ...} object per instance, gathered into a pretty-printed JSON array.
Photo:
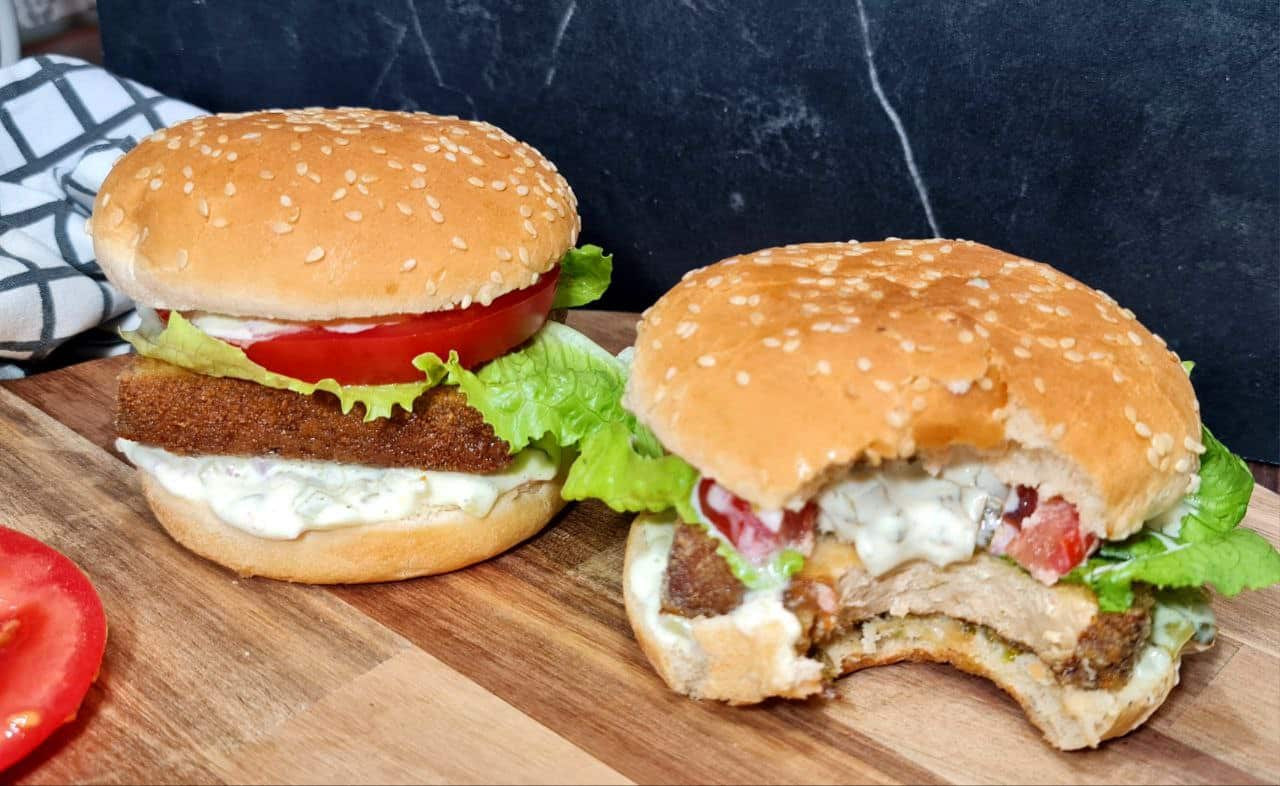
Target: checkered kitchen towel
[{"x": 63, "y": 123}]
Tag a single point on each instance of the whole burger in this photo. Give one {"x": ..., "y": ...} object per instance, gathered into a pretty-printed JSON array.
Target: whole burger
[
  {"x": 919, "y": 450},
  {"x": 346, "y": 371}
]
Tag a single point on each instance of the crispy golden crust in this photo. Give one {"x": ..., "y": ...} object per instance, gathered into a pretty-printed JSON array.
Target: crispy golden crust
[
  {"x": 699, "y": 582},
  {"x": 163, "y": 405},
  {"x": 330, "y": 213},
  {"x": 775, "y": 371}
]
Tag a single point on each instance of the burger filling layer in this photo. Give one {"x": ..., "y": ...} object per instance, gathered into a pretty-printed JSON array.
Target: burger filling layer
[{"x": 282, "y": 498}]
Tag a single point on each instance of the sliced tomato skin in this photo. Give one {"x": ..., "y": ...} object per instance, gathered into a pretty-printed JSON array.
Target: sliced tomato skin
[
  {"x": 53, "y": 634},
  {"x": 738, "y": 522},
  {"x": 384, "y": 354},
  {"x": 1049, "y": 542}
]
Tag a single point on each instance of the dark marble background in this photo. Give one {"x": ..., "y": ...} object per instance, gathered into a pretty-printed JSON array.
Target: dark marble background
[{"x": 1135, "y": 145}]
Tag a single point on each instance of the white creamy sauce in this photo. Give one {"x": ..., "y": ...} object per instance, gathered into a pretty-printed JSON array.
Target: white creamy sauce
[
  {"x": 246, "y": 330},
  {"x": 280, "y": 499},
  {"x": 903, "y": 511}
]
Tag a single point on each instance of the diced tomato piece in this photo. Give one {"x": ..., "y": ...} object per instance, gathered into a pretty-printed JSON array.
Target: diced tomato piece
[
  {"x": 739, "y": 522},
  {"x": 1049, "y": 542}
]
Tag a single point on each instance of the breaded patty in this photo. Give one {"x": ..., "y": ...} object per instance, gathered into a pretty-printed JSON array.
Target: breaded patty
[{"x": 193, "y": 414}]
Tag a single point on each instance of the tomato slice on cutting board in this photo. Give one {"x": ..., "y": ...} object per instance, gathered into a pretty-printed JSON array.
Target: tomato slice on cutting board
[
  {"x": 52, "y": 636},
  {"x": 384, "y": 354}
]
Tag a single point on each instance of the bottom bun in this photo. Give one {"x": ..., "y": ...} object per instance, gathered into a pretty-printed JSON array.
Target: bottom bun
[
  {"x": 743, "y": 657},
  {"x": 435, "y": 541},
  {"x": 1070, "y": 718},
  {"x": 751, "y": 654}
]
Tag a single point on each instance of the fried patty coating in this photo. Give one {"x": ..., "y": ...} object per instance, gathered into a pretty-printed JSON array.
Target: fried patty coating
[
  {"x": 163, "y": 405},
  {"x": 699, "y": 581}
]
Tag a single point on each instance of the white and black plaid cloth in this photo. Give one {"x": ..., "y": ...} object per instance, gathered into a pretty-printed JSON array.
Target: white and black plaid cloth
[{"x": 63, "y": 123}]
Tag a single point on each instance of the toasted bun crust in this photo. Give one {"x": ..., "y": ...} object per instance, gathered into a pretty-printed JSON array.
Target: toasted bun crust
[
  {"x": 775, "y": 371},
  {"x": 745, "y": 660},
  {"x": 741, "y": 658},
  {"x": 435, "y": 541},
  {"x": 330, "y": 213},
  {"x": 1070, "y": 718}
]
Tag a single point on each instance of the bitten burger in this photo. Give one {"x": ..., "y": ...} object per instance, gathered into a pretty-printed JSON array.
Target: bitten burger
[
  {"x": 347, "y": 372},
  {"x": 852, "y": 454}
]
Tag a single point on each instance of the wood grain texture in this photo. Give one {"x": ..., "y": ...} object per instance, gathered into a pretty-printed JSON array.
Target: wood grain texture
[{"x": 522, "y": 669}]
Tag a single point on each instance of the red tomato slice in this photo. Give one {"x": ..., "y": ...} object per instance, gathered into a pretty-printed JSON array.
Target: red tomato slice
[
  {"x": 384, "y": 354},
  {"x": 1050, "y": 543},
  {"x": 737, "y": 520},
  {"x": 52, "y": 635}
]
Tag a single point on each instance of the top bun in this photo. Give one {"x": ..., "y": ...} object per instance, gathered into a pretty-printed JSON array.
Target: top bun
[
  {"x": 775, "y": 371},
  {"x": 320, "y": 214}
]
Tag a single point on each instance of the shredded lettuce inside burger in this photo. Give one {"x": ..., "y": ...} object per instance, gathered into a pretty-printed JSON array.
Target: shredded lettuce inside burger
[{"x": 584, "y": 276}]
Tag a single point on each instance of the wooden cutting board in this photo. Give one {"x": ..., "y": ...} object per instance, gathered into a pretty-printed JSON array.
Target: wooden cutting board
[{"x": 522, "y": 669}]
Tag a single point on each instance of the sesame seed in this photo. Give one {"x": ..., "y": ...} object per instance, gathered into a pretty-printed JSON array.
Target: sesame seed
[
  {"x": 1058, "y": 431},
  {"x": 182, "y": 258},
  {"x": 671, "y": 373},
  {"x": 706, "y": 361},
  {"x": 202, "y": 207},
  {"x": 990, "y": 316},
  {"x": 864, "y": 364},
  {"x": 498, "y": 185},
  {"x": 458, "y": 243},
  {"x": 408, "y": 264},
  {"x": 354, "y": 215},
  {"x": 156, "y": 183},
  {"x": 1162, "y": 442},
  {"x": 266, "y": 174},
  {"x": 743, "y": 378},
  {"x": 686, "y": 329},
  {"x": 896, "y": 418},
  {"x": 433, "y": 202},
  {"x": 522, "y": 190},
  {"x": 281, "y": 227},
  {"x": 1073, "y": 356},
  {"x": 188, "y": 187},
  {"x": 883, "y": 385},
  {"x": 437, "y": 216},
  {"x": 1039, "y": 384},
  {"x": 1133, "y": 337},
  {"x": 529, "y": 227},
  {"x": 791, "y": 345},
  {"x": 475, "y": 181},
  {"x": 362, "y": 189},
  {"x": 1143, "y": 429},
  {"x": 1066, "y": 343},
  {"x": 918, "y": 404},
  {"x": 1183, "y": 464},
  {"x": 1022, "y": 352},
  {"x": 219, "y": 222},
  {"x": 526, "y": 211},
  {"x": 908, "y": 346},
  {"x": 1116, "y": 376},
  {"x": 523, "y": 253},
  {"x": 418, "y": 167},
  {"x": 1130, "y": 414},
  {"x": 823, "y": 367},
  {"x": 315, "y": 254},
  {"x": 229, "y": 189},
  {"x": 985, "y": 383},
  {"x": 117, "y": 216},
  {"x": 350, "y": 176}
]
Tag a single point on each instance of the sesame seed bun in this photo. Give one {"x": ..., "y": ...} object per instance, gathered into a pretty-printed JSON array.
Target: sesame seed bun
[
  {"x": 321, "y": 214},
  {"x": 775, "y": 371},
  {"x": 431, "y": 541}
]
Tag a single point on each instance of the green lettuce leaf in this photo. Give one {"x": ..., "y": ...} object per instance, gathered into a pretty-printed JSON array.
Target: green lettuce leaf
[
  {"x": 623, "y": 466},
  {"x": 1223, "y": 497},
  {"x": 185, "y": 345},
  {"x": 618, "y": 469},
  {"x": 1209, "y": 548},
  {"x": 584, "y": 276},
  {"x": 560, "y": 384}
]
